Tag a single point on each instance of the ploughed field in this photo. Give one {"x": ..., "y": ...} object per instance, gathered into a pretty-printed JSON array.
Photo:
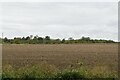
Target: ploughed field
[{"x": 62, "y": 55}]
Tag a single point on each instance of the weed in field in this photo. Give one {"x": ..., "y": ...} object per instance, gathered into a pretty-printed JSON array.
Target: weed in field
[{"x": 50, "y": 72}]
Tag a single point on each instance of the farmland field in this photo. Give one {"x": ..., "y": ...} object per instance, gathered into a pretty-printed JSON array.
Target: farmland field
[{"x": 62, "y": 55}]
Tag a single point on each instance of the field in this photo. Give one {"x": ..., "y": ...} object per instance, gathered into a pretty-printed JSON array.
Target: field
[{"x": 100, "y": 57}]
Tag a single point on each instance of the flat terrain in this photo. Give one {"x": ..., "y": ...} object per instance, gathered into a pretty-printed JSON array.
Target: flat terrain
[{"x": 61, "y": 55}]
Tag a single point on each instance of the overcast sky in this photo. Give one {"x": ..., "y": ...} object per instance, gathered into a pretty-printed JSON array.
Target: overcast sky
[{"x": 60, "y": 19}]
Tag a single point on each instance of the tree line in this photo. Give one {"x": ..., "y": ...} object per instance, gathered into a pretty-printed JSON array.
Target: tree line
[{"x": 47, "y": 40}]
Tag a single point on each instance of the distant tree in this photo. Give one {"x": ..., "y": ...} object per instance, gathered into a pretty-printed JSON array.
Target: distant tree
[
  {"x": 85, "y": 38},
  {"x": 23, "y": 38},
  {"x": 57, "y": 41},
  {"x": 0, "y": 40},
  {"x": 70, "y": 38},
  {"x": 63, "y": 41},
  {"x": 47, "y": 37},
  {"x": 35, "y": 38},
  {"x": 5, "y": 39},
  {"x": 27, "y": 38},
  {"x": 40, "y": 39},
  {"x": 47, "y": 40},
  {"x": 17, "y": 40}
]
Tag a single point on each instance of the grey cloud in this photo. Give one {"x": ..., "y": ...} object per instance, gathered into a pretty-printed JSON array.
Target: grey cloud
[{"x": 61, "y": 19}]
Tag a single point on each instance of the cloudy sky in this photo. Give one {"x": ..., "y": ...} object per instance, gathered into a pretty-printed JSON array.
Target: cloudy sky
[{"x": 60, "y": 19}]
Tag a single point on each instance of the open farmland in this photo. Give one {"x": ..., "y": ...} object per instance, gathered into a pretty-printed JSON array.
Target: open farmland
[{"x": 61, "y": 55}]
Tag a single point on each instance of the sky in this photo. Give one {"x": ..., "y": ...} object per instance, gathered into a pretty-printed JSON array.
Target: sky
[{"x": 98, "y": 20}]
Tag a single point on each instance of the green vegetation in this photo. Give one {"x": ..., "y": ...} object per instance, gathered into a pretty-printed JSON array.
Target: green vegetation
[
  {"x": 50, "y": 72},
  {"x": 0, "y": 40},
  {"x": 47, "y": 40}
]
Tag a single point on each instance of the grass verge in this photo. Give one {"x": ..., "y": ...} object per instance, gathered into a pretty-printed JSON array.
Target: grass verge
[{"x": 50, "y": 72}]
